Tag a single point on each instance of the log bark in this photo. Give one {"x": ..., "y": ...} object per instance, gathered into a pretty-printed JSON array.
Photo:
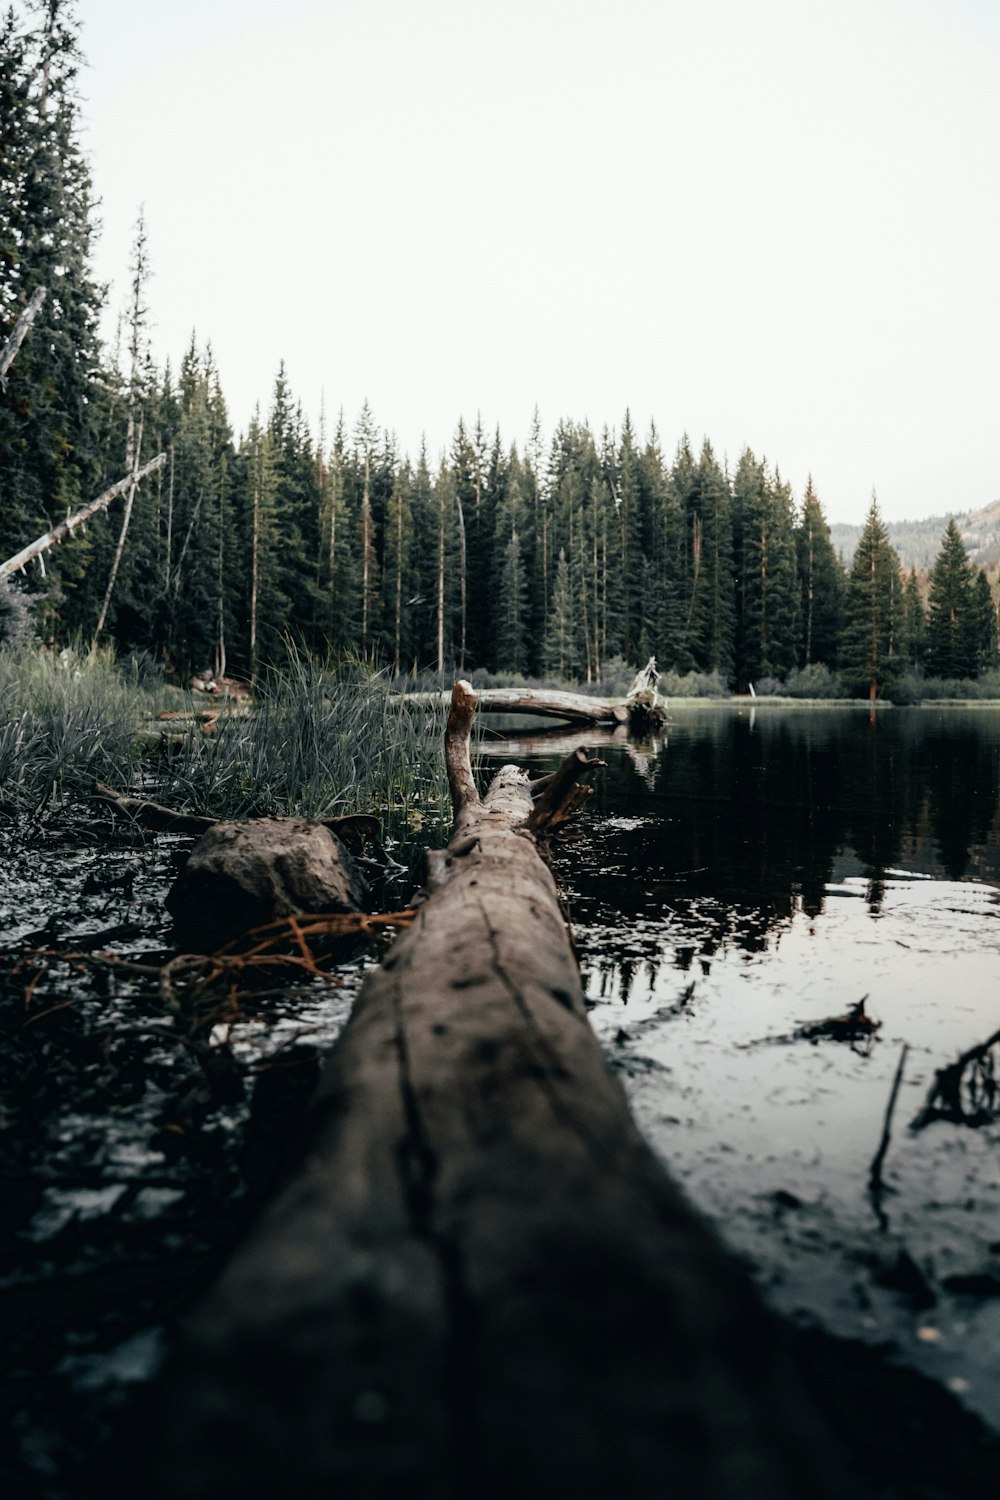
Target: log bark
[
  {"x": 482, "y": 1283},
  {"x": 60, "y": 532},
  {"x": 575, "y": 708}
]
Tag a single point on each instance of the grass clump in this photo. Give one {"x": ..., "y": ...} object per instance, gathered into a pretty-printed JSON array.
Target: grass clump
[
  {"x": 66, "y": 719},
  {"x": 319, "y": 742}
]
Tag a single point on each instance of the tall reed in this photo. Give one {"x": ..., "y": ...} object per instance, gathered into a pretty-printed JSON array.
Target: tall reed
[
  {"x": 66, "y": 718},
  {"x": 318, "y": 742}
]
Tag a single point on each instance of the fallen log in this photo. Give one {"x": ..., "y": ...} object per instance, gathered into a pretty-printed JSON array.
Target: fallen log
[
  {"x": 60, "y": 532},
  {"x": 642, "y": 706},
  {"x": 481, "y": 1283}
]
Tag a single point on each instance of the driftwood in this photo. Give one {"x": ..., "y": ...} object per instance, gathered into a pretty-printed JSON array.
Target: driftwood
[
  {"x": 9, "y": 352},
  {"x": 481, "y": 1283},
  {"x": 59, "y": 533},
  {"x": 641, "y": 705}
]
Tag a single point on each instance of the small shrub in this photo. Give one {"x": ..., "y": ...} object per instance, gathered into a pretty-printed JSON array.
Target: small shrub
[
  {"x": 814, "y": 681},
  {"x": 693, "y": 685}
]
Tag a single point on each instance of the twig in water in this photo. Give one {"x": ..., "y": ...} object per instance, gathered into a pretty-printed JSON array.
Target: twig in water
[{"x": 875, "y": 1185}]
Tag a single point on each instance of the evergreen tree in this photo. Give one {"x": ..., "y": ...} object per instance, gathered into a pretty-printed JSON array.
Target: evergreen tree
[
  {"x": 913, "y": 634},
  {"x": 821, "y": 581},
  {"x": 51, "y": 410},
  {"x": 951, "y": 625},
  {"x": 984, "y": 624},
  {"x": 869, "y": 656},
  {"x": 561, "y": 653},
  {"x": 769, "y": 594}
]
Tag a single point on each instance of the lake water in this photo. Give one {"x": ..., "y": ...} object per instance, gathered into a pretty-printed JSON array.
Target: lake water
[
  {"x": 737, "y": 881},
  {"x": 744, "y": 875}
]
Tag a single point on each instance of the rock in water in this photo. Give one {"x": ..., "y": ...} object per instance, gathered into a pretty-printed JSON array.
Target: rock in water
[{"x": 241, "y": 875}]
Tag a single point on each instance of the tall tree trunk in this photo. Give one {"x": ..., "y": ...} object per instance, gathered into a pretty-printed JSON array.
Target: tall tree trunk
[
  {"x": 463, "y": 582},
  {"x": 366, "y": 527},
  {"x": 254, "y": 576},
  {"x": 399, "y": 585}
]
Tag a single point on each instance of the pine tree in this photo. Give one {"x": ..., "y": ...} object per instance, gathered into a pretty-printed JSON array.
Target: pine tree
[
  {"x": 51, "y": 410},
  {"x": 821, "y": 581},
  {"x": 984, "y": 624},
  {"x": 913, "y": 633},
  {"x": 560, "y": 652},
  {"x": 951, "y": 628},
  {"x": 869, "y": 655}
]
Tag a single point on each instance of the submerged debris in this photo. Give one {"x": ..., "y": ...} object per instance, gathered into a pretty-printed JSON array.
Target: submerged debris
[
  {"x": 854, "y": 1026},
  {"x": 967, "y": 1091}
]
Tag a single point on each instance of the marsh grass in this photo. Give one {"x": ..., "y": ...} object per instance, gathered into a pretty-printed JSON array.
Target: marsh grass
[
  {"x": 318, "y": 743},
  {"x": 66, "y": 718}
]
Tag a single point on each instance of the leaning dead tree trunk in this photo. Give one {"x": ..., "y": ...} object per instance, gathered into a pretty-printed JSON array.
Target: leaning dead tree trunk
[
  {"x": 642, "y": 705},
  {"x": 9, "y": 352},
  {"x": 482, "y": 1283},
  {"x": 60, "y": 532}
]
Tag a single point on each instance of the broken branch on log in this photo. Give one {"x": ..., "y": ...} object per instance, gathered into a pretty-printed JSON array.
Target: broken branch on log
[
  {"x": 60, "y": 532},
  {"x": 481, "y": 1282}
]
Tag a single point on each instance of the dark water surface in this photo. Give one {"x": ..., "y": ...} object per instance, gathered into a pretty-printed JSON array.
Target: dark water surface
[
  {"x": 741, "y": 876},
  {"x": 755, "y": 871}
]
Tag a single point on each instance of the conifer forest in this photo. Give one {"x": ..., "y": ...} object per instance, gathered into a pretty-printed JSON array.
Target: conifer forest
[
  {"x": 552, "y": 555},
  {"x": 402, "y": 1094}
]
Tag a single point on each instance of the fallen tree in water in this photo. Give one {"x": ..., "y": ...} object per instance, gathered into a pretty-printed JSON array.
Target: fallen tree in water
[
  {"x": 481, "y": 1282},
  {"x": 641, "y": 706}
]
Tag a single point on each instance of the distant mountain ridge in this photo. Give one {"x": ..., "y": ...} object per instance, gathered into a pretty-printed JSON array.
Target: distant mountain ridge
[{"x": 918, "y": 542}]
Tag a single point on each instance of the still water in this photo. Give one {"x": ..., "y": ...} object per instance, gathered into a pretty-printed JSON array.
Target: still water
[{"x": 738, "y": 881}]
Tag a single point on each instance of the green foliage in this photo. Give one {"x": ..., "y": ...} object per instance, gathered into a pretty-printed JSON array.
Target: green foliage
[
  {"x": 74, "y": 716},
  {"x": 816, "y": 680},
  {"x": 319, "y": 742},
  {"x": 952, "y": 625},
  {"x": 873, "y": 608},
  {"x": 821, "y": 581}
]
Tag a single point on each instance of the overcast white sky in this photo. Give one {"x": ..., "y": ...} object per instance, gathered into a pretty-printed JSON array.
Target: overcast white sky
[{"x": 772, "y": 222}]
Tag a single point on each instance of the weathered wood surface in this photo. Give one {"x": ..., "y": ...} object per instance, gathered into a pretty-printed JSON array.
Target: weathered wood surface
[
  {"x": 482, "y": 1283},
  {"x": 577, "y": 708},
  {"x": 641, "y": 703}
]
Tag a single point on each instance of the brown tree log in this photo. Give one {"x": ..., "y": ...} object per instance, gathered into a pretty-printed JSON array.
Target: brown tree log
[
  {"x": 574, "y": 708},
  {"x": 481, "y": 1283}
]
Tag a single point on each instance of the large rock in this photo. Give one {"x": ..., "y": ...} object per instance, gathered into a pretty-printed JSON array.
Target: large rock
[{"x": 241, "y": 875}]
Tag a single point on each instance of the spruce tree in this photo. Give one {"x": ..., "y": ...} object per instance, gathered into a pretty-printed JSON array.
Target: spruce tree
[
  {"x": 872, "y": 609},
  {"x": 821, "y": 582},
  {"x": 913, "y": 634},
  {"x": 52, "y": 408},
  {"x": 984, "y": 623},
  {"x": 560, "y": 649},
  {"x": 951, "y": 626}
]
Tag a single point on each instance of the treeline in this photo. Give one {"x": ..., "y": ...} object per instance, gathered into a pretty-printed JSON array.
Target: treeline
[{"x": 549, "y": 559}]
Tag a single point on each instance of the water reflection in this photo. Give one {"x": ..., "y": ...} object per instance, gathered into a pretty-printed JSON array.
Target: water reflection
[{"x": 731, "y": 822}]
